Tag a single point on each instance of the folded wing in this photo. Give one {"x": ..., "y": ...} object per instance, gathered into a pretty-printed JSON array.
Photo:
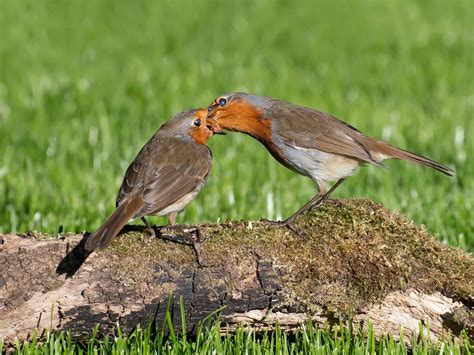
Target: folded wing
[{"x": 306, "y": 128}]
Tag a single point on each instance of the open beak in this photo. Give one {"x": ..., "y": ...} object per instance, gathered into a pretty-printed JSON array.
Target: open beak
[{"x": 214, "y": 127}]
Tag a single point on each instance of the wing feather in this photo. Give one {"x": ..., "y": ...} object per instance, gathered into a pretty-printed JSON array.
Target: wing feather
[
  {"x": 165, "y": 170},
  {"x": 306, "y": 128}
]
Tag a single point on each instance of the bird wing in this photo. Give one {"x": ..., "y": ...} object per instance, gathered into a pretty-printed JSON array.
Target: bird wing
[
  {"x": 302, "y": 127},
  {"x": 164, "y": 171}
]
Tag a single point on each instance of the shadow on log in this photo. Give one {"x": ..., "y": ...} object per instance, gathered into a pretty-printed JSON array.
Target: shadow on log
[{"x": 357, "y": 262}]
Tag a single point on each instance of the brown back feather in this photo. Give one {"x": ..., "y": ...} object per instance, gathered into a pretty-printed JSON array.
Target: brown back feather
[
  {"x": 307, "y": 128},
  {"x": 302, "y": 127},
  {"x": 164, "y": 171}
]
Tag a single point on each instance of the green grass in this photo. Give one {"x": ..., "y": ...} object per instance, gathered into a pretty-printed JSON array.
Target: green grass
[
  {"x": 310, "y": 340},
  {"x": 84, "y": 84},
  {"x": 167, "y": 339}
]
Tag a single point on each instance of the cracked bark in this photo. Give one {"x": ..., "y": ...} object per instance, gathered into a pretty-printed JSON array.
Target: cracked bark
[{"x": 358, "y": 262}]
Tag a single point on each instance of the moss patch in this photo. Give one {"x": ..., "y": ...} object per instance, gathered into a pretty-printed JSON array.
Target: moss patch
[
  {"x": 138, "y": 256},
  {"x": 358, "y": 252},
  {"x": 354, "y": 253}
]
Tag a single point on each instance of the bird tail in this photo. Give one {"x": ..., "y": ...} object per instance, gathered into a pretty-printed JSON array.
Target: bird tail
[
  {"x": 102, "y": 238},
  {"x": 393, "y": 152}
]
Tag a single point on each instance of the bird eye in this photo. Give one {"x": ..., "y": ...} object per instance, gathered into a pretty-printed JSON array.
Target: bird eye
[
  {"x": 222, "y": 101},
  {"x": 197, "y": 122}
]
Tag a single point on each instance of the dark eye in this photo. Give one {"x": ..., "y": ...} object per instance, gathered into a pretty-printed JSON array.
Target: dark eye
[
  {"x": 222, "y": 101},
  {"x": 197, "y": 122}
]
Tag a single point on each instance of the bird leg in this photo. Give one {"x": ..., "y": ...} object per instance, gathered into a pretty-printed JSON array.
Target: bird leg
[
  {"x": 149, "y": 229},
  {"x": 315, "y": 202},
  {"x": 186, "y": 237},
  {"x": 284, "y": 223},
  {"x": 325, "y": 197},
  {"x": 180, "y": 235},
  {"x": 191, "y": 238},
  {"x": 172, "y": 218}
]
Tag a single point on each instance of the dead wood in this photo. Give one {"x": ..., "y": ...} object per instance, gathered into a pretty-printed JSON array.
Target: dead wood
[{"x": 358, "y": 261}]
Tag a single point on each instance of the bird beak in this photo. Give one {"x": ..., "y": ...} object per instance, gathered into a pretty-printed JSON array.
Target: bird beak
[
  {"x": 214, "y": 127},
  {"x": 219, "y": 132},
  {"x": 211, "y": 107}
]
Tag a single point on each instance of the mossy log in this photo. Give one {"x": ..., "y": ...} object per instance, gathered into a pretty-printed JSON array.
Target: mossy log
[{"x": 357, "y": 262}]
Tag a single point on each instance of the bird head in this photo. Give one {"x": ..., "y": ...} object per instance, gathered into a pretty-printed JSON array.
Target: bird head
[
  {"x": 237, "y": 112},
  {"x": 191, "y": 124}
]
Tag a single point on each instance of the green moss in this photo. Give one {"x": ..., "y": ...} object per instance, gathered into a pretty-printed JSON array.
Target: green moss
[
  {"x": 135, "y": 255},
  {"x": 34, "y": 234},
  {"x": 354, "y": 252}
]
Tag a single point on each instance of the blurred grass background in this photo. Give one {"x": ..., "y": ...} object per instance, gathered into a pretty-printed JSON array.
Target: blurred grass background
[{"x": 84, "y": 84}]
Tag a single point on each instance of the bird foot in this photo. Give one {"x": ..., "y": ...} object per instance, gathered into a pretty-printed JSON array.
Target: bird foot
[
  {"x": 180, "y": 235},
  {"x": 186, "y": 236},
  {"x": 150, "y": 231},
  {"x": 286, "y": 224},
  {"x": 334, "y": 202}
]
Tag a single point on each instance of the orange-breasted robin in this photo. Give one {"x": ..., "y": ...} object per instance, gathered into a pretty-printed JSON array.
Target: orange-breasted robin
[
  {"x": 310, "y": 142},
  {"x": 166, "y": 175}
]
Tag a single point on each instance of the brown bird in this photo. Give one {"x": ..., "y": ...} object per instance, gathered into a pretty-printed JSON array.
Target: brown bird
[
  {"x": 310, "y": 142},
  {"x": 164, "y": 178}
]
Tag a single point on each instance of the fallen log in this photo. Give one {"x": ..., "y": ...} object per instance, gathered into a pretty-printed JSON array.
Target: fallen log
[{"x": 357, "y": 261}]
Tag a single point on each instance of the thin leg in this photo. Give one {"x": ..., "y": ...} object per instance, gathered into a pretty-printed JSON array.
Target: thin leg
[
  {"x": 322, "y": 190},
  {"x": 171, "y": 224},
  {"x": 322, "y": 187},
  {"x": 325, "y": 197},
  {"x": 315, "y": 202},
  {"x": 149, "y": 228},
  {"x": 181, "y": 236},
  {"x": 172, "y": 218}
]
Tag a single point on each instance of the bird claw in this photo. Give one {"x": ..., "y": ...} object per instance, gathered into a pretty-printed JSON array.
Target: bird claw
[
  {"x": 334, "y": 202},
  {"x": 271, "y": 223},
  {"x": 288, "y": 224},
  {"x": 150, "y": 231},
  {"x": 190, "y": 237},
  {"x": 317, "y": 205},
  {"x": 180, "y": 235}
]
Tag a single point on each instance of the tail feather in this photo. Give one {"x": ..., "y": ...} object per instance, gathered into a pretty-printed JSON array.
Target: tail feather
[
  {"x": 102, "y": 238},
  {"x": 398, "y": 153}
]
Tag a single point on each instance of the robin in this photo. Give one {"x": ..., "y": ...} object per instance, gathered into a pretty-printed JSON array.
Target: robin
[
  {"x": 164, "y": 178},
  {"x": 310, "y": 142}
]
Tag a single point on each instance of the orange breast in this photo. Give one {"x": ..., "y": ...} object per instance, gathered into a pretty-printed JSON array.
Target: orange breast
[{"x": 241, "y": 117}]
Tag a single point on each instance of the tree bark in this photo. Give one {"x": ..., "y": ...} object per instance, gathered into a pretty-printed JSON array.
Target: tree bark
[{"x": 355, "y": 262}]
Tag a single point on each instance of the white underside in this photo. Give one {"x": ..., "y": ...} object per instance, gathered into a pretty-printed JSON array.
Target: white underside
[
  {"x": 181, "y": 204},
  {"x": 320, "y": 165}
]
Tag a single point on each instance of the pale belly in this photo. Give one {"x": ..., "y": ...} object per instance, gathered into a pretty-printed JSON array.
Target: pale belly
[
  {"x": 319, "y": 165},
  {"x": 179, "y": 205}
]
